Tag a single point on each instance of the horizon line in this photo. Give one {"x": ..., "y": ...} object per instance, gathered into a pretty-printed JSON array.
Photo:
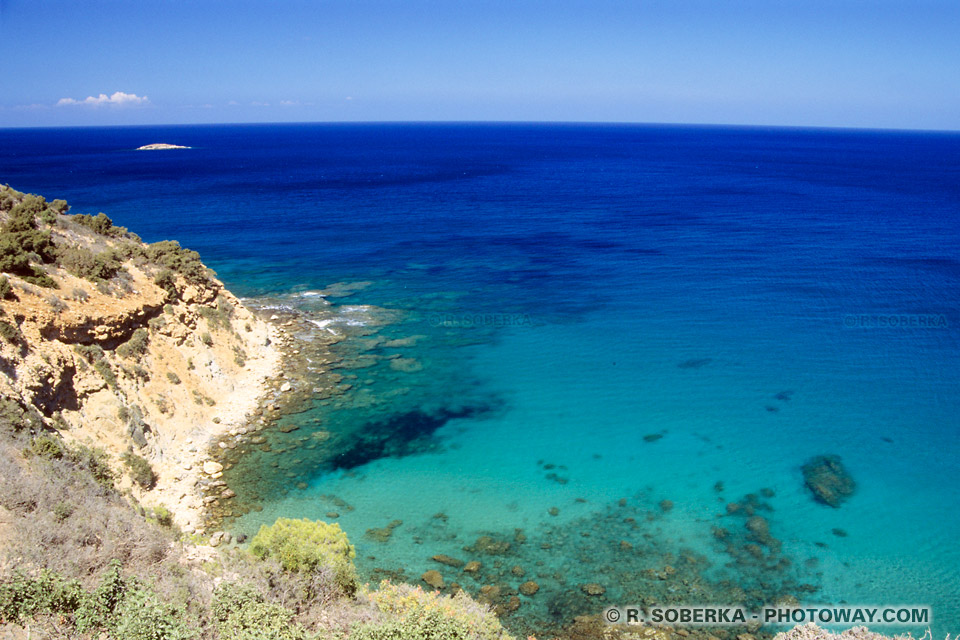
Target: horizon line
[{"x": 491, "y": 122}]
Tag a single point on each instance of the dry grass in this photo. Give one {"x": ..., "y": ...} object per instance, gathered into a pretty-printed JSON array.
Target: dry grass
[
  {"x": 813, "y": 632},
  {"x": 69, "y": 523}
]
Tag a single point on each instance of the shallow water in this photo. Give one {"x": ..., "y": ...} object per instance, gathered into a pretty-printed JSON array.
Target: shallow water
[{"x": 574, "y": 292}]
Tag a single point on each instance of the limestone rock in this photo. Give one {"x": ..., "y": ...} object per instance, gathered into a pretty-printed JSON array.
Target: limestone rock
[
  {"x": 433, "y": 578},
  {"x": 211, "y": 467}
]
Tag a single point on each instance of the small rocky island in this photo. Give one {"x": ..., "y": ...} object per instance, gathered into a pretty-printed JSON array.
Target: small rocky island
[{"x": 159, "y": 146}]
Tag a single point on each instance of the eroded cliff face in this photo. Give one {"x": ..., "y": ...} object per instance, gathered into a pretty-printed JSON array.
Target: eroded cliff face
[{"x": 151, "y": 356}]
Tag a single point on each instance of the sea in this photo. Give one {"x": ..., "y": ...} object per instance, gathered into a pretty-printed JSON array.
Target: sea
[{"x": 611, "y": 360}]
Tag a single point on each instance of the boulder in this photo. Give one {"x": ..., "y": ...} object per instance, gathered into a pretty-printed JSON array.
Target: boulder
[
  {"x": 828, "y": 480},
  {"x": 211, "y": 467},
  {"x": 433, "y": 578},
  {"x": 447, "y": 560}
]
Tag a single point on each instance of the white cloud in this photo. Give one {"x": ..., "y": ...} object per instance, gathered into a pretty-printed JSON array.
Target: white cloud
[{"x": 118, "y": 99}]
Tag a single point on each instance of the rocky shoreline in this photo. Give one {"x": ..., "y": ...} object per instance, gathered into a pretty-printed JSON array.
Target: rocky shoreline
[{"x": 301, "y": 375}]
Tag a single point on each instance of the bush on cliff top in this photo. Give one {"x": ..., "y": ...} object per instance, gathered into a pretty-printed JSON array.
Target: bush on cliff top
[
  {"x": 242, "y": 614},
  {"x": 83, "y": 263},
  {"x": 21, "y": 242},
  {"x": 99, "y": 223},
  {"x": 169, "y": 254},
  {"x": 118, "y": 605},
  {"x": 416, "y": 614},
  {"x": 305, "y": 546}
]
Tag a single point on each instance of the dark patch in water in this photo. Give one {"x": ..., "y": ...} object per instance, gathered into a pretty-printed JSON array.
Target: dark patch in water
[{"x": 397, "y": 436}]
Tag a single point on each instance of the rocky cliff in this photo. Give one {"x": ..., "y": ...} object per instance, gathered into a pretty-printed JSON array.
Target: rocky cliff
[{"x": 129, "y": 347}]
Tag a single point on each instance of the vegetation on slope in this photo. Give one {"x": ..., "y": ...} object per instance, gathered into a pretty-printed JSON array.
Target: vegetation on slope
[
  {"x": 29, "y": 247},
  {"x": 89, "y": 560},
  {"x": 81, "y": 558}
]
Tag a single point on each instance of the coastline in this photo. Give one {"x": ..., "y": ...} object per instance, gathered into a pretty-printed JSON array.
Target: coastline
[{"x": 180, "y": 481}]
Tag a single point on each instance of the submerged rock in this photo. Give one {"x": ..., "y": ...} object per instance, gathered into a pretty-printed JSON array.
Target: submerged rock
[
  {"x": 433, "y": 578},
  {"x": 490, "y": 546},
  {"x": 447, "y": 560},
  {"x": 529, "y": 588},
  {"x": 383, "y": 534},
  {"x": 593, "y": 589},
  {"x": 828, "y": 480}
]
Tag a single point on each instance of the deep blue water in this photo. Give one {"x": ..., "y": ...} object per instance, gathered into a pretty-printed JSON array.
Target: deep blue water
[{"x": 731, "y": 290}]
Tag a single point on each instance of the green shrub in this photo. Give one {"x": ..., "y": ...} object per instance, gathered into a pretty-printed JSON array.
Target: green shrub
[
  {"x": 16, "y": 251},
  {"x": 241, "y": 614},
  {"x": 420, "y": 624},
  {"x": 136, "y": 346},
  {"x": 417, "y": 614},
  {"x": 21, "y": 242},
  {"x": 212, "y": 316},
  {"x": 93, "y": 461},
  {"x": 99, "y": 223},
  {"x": 106, "y": 372},
  {"x": 90, "y": 352},
  {"x": 305, "y": 545},
  {"x": 22, "y": 597},
  {"x": 167, "y": 281},
  {"x": 47, "y": 447},
  {"x": 84, "y": 263},
  {"x": 60, "y": 206},
  {"x": 16, "y": 416},
  {"x": 98, "y": 607},
  {"x": 10, "y": 332},
  {"x": 169, "y": 254},
  {"x": 62, "y": 511},
  {"x": 140, "y": 470},
  {"x": 141, "y": 616},
  {"x": 172, "y": 377},
  {"x": 48, "y": 216},
  {"x": 163, "y": 516},
  {"x": 206, "y": 338},
  {"x": 30, "y": 205},
  {"x": 163, "y": 405},
  {"x": 5, "y": 289}
]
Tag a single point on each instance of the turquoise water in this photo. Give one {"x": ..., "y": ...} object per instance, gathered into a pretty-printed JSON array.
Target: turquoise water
[{"x": 602, "y": 318}]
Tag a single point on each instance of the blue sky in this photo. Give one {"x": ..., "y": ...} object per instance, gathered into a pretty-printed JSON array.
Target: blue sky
[{"x": 856, "y": 63}]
